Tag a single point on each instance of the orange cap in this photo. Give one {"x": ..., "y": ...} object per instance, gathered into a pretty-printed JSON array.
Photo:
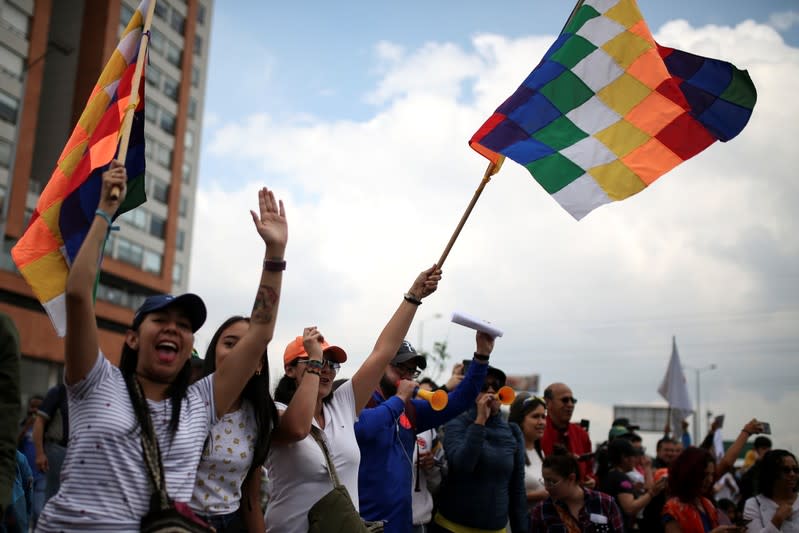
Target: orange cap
[{"x": 295, "y": 350}]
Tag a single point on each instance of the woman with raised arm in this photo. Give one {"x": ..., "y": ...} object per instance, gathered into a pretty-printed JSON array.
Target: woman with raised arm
[
  {"x": 105, "y": 483},
  {"x": 310, "y": 410}
]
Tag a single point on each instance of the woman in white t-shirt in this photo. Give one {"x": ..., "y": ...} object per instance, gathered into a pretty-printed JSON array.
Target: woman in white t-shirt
[
  {"x": 104, "y": 481},
  {"x": 227, "y": 493},
  {"x": 298, "y": 475},
  {"x": 776, "y": 506},
  {"x": 530, "y": 413}
]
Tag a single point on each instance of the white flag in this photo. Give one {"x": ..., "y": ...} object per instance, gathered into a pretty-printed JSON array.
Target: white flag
[{"x": 674, "y": 389}]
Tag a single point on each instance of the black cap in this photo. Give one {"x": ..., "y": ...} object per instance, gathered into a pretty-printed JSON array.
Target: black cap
[
  {"x": 191, "y": 304},
  {"x": 406, "y": 353},
  {"x": 625, "y": 422},
  {"x": 492, "y": 371}
]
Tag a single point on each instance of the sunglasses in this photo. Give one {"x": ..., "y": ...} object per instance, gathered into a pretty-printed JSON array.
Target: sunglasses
[
  {"x": 790, "y": 470},
  {"x": 493, "y": 385},
  {"x": 332, "y": 365},
  {"x": 569, "y": 399},
  {"x": 412, "y": 373}
]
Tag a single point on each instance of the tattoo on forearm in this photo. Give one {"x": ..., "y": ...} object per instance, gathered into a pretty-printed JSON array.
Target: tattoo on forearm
[{"x": 264, "y": 307}]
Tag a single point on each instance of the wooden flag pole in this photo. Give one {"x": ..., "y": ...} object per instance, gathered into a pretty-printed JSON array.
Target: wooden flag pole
[
  {"x": 492, "y": 169},
  {"x": 127, "y": 121}
]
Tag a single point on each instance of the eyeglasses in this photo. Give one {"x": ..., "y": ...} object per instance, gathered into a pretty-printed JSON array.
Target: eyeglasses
[
  {"x": 490, "y": 384},
  {"x": 569, "y": 399},
  {"x": 790, "y": 470},
  {"x": 412, "y": 373},
  {"x": 548, "y": 483},
  {"x": 332, "y": 365}
]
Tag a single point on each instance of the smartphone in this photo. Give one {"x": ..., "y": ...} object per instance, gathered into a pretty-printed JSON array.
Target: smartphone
[
  {"x": 766, "y": 428},
  {"x": 584, "y": 423},
  {"x": 719, "y": 421}
]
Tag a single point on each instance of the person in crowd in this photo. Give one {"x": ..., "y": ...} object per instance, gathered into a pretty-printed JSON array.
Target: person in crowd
[
  {"x": 530, "y": 414},
  {"x": 9, "y": 408},
  {"x": 748, "y": 485},
  {"x": 685, "y": 438},
  {"x": 561, "y": 432},
  {"x": 614, "y": 480},
  {"x": 776, "y": 506},
  {"x": 105, "y": 485},
  {"x": 28, "y": 449},
  {"x": 484, "y": 487},
  {"x": 16, "y": 516},
  {"x": 310, "y": 410},
  {"x": 51, "y": 436},
  {"x": 665, "y": 452},
  {"x": 726, "y": 488},
  {"x": 227, "y": 494},
  {"x": 691, "y": 476},
  {"x": 728, "y": 511},
  {"x": 571, "y": 507},
  {"x": 388, "y": 440},
  {"x": 429, "y": 465}
]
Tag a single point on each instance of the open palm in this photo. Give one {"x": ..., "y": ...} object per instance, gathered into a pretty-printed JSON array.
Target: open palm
[{"x": 271, "y": 222}]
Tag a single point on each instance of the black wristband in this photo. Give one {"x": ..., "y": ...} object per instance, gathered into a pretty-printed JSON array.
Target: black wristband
[
  {"x": 313, "y": 363},
  {"x": 274, "y": 266},
  {"x": 480, "y": 357},
  {"x": 411, "y": 299}
]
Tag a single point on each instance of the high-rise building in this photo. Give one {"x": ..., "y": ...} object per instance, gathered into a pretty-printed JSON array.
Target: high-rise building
[{"x": 51, "y": 54}]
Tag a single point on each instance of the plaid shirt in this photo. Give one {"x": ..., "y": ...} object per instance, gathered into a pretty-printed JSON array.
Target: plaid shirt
[{"x": 546, "y": 518}]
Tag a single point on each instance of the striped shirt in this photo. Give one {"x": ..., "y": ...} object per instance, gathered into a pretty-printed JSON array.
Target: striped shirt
[{"x": 104, "y": 483}]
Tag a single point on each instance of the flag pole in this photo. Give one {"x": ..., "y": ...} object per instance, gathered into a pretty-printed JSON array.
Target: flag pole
[
  {"x": 127, "y": 120},
  {"x": 492, "y": 169}
]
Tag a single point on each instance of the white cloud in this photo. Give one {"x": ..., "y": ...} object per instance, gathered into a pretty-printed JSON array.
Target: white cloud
[
  {"x": 708, "y": 254},
  {"x": 784, "y": 20}
]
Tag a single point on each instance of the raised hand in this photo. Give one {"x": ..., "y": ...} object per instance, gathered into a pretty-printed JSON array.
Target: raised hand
[
  {"x": 312, "y": 342},
  {"x": 271, "y": 222},
  {"x": 485, "y": 343},
  {"x": 116, "y": 177},
  {"x": 426, "y": 283}
]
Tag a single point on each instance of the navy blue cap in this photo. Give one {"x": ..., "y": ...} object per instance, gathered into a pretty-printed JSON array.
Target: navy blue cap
[
  {"x": 407, "y": 352},
  {"x": 191, "y": 304}
]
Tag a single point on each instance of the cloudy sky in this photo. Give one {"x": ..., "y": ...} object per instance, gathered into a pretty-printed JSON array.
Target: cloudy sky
[{"x": 358, "y": 115}]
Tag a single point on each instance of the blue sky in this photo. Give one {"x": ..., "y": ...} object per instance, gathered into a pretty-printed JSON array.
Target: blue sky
[{"x": 359, "y": 115}]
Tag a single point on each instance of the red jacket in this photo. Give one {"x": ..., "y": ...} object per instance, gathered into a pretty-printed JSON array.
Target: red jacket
[{"x": 575, "y": 439}]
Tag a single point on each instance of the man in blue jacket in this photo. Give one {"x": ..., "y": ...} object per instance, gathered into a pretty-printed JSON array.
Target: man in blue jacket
[{"x": 386, "y": 431}]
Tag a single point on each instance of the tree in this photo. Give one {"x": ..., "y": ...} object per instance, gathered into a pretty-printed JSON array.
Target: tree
[{"x": 437, "y": 361}]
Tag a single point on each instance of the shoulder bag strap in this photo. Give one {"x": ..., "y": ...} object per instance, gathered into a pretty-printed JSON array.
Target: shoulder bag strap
[
  {"x": 317, "y": 435},
  {"x": 149, "y": 443}
]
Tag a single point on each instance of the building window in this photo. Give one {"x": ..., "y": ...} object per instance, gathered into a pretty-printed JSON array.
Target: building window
[
  {"x": 150, "y": 110},
  {"x": 201, "y": 14},
  {"x": 6, "y": 153},
  {"x": 108, "y": 248},
  {"x": 177, "y": 22},
  {"x": 157, "y": 226},
  {"x": 9, "y": 106},
  {"x": 157, "y": 40},
  {"x": 198, "y": 45},
  {"x": 188, "y": 140},
  {"x": 151, "y": 262},
  {"x": 129, "y": 252},
  {"x": 161, "y": 10},
  {"x": 125, "y": 14},
  {"x": 186, "y": 173},
  {"x": 167, "y": 122},
  {"x": 3, "y": 192},
  {"x": 15, "y": 19},
  {"x": 160, "y": 191},
  {"x": 192, "y": 108},
  {"x": 195, "y": 76},
  {"x": 11, "y": 63},
  {"x": 136, "y": 218},
  {"x": 173, "y": 53},
  {"x": 180, "y": 239},
  {"x": 177, "y": 273},
  {"x": 184, "y": 206},
  {"x": 154, "y": 75},
  {"x": 171, "y": 88}
]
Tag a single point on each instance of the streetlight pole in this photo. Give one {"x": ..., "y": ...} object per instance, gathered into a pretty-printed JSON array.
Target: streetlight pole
[
  {"x": 698, "y": 412},
  {"x": 419, "y": 346}
]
